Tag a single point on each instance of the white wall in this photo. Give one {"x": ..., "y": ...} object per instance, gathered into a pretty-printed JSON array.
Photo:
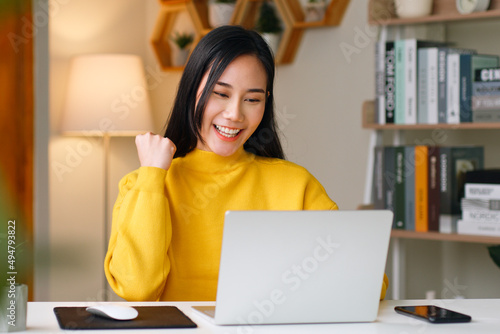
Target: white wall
[{"x": 318, "y": 97}]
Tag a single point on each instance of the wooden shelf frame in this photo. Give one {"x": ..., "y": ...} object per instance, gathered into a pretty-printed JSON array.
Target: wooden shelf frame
[
  {"x": 382, "y": 12},
  {"x": 368, "y": 122},
  {"x": 403, "y": 234},
  {"x": 245, "y": 14}
]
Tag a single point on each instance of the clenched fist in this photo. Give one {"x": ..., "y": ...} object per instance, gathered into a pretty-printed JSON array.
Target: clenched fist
[{"x": 155, "y": 150}]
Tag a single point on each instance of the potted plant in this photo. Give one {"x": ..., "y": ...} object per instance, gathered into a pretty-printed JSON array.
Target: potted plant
[
  {"x": 220, "y": 12},
  {"x": 269, "y": 25},
  {"x": 315, "y": 10},
  {"x": 181, "y": 50}
]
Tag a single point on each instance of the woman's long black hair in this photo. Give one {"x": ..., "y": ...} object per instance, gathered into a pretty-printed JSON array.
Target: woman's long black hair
[{"x": 215, "y": 52}]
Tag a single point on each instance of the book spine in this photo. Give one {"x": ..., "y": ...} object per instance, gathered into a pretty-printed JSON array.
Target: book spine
[
  {"x": 487, "y": 74},
  {"x": 421, "y": 188},
  {"x": 433, "y": 188},
  {"x": 390, "y": 83},
  {"x": 480, "y": 88},
  {"x": 482, "y": 191},
  {"x": 465, "y": 114},
  {"x": 453, "y": 99},
  {"x": 400, "y": 81},
  {"x": 462, "y": 160},
  {"x": 409, "y": 173},
  {"x": 481, "y": 216},
  {"x": 445, "y": 180},
  {"x": 485, "y": 116},
  {"x": 380, "y": 82},
  {"x": 423, "y": 85},
  {"x": 486, "y": 102},
  {"x": 378, "y": 178},
  {"x": 432, "y": 86},
  {"x": 389, "y": 178},
  {"x": 467, "y": 227},
  {"x": 399, "y": 189},
  {"x": 442, "y": 85},
  {"x": 411, "y": 59}
]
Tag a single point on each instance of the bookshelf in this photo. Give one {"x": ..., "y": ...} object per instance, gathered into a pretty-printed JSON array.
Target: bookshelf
[
  {"x": 382, "y": 13},
  {"x": 245, "y": 14}
]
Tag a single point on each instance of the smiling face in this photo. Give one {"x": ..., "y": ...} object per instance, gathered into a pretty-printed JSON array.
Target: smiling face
[{"x": 235, "y": 106}]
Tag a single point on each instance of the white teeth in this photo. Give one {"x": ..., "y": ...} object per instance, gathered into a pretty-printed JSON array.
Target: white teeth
[{"x": 227, "y": 132}]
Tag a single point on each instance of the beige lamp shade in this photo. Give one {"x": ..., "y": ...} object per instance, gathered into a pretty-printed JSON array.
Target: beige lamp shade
[{"x": 107, "y": 95}]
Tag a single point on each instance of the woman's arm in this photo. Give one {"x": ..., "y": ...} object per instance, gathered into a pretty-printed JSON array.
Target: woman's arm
[{"x": 136, "y": 263}]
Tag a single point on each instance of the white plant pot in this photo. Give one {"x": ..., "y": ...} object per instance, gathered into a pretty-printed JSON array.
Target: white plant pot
[
  {"x": 220, "y": 14},
  {"x": 413, "y": 8},
  {"x": 179, "y": 56},
  {"x": 273, "y": 40},
  {"x": 315, "y": 11}
]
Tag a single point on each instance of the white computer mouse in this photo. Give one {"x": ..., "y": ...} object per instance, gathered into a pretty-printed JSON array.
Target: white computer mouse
[{"x": 114, "y": 311}]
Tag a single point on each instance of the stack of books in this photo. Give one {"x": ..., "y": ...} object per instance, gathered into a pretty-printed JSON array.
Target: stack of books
[
  {"x": 423, "y": 185},
  {"x": 426, "y": 82},
  {"x": 481, "y": 204},
  {"x": 486, "y": 95}
]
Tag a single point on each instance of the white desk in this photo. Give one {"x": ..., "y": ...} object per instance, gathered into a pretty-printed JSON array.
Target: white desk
[{"x": 485, "y": 315}]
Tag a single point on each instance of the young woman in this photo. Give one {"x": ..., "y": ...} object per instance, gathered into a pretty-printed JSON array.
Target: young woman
[{"x": 220, "y": 152}]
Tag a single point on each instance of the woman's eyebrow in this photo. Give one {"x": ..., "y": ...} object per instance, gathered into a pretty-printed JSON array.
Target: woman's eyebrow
[{"x": 251, "y": 90}]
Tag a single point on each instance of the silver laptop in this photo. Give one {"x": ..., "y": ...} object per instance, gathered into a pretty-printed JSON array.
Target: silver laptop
[{"x": 284, "y": 267}]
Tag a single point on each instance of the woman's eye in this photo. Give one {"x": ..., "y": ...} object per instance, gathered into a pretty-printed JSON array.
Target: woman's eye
[
  {"x": 253, "y": 100},
  {"x": 220, "y": 94}
]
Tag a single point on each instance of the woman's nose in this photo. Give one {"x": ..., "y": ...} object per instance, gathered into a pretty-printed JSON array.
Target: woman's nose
[{"x": 233, "y": 112}]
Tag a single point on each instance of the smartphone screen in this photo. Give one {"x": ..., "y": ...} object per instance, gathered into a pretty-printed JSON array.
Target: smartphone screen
[{"x": 432, "y": 313}]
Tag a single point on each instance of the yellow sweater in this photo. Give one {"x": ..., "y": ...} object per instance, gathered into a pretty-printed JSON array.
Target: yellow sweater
[{"x": 167, "y": 225}]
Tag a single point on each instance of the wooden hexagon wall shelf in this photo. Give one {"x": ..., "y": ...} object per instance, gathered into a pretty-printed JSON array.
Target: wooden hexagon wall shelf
[
  {"x": 164, "y": 26},
  {"x": 246, "y": 14},
  {"x": 291, "y": 13}
]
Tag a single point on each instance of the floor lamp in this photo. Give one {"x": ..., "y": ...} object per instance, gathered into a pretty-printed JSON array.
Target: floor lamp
[{"x": 106, "y": 96}]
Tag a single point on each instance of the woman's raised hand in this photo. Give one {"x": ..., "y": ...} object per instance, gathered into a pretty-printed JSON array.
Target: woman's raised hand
[{"x": 155, "y": 150}]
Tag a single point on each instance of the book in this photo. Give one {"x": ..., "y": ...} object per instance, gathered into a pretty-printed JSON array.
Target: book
[
  {"x": 486, "y": 102},
  {"x": 486, "y": 116},
  {"x": 442, "y": 84},
  {"x": 469, "y": 227},
  {"x": 390, "y": 83},
  {"x": 489, "y": 176},
  {"x": 453, "y": 90},
  {"x": 433, "y": 188},
  {"x": 487, "y": 74},
  {"x": 482, "y": 191},
  {"x": 406, "y": 78},
  {"x": 480, "y": 88},
  {"x": 453, "y": 77},
  {"x": 409, "y": 182},
  {"x": 378, "y": 178},
  {"x": 469, "y": 63},
  {"x": 427, "y": 92},
  {"x": 389, "y": 178},
  {"x": 481, "y": 204},
  {"x": 421, "y": 188},
  {"x": 399, "y": 188},
  {"x": 454, "y": 163},
  {"x": 380, "y": 82}
]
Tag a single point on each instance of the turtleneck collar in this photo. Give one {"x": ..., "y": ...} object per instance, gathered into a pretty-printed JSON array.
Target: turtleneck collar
[{"x": 211, "y": 162}]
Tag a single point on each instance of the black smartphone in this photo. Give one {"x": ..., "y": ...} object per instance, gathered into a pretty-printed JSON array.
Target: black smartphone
[{"x": 432, "y": 313}]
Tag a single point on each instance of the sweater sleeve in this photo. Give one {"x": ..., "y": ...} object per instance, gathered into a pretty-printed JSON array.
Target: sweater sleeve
[
  {"x": 136, "y": 264},
  {"x": 316, "y": 198}
]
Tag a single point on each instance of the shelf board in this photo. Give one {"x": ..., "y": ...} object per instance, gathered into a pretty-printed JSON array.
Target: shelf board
[
  {"x": 403, "y": 234},
  {"x": 381, "y": 12},
  {"x": 368, "y": 118}
]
